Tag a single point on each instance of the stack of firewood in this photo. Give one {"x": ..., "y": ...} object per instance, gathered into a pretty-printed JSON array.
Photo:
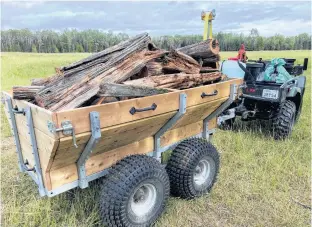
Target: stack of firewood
[{"x": 132, "y": 68}]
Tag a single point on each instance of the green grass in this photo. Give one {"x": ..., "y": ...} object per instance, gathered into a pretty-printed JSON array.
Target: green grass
[{"x": 258, "y": 181}]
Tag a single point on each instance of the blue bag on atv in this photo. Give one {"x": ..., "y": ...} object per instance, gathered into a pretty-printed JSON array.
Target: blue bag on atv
[{"x": 275, "y": 72}]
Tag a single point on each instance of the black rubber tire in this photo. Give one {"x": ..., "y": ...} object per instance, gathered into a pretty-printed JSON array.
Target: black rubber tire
[
  {"x": 121, "y": 183},
  {"x": 283, "y": 121},
  {"x": 182, "y": 164}
]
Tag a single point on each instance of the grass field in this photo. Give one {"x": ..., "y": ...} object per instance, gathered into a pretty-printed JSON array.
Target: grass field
[{"x": 258, "y": 183}]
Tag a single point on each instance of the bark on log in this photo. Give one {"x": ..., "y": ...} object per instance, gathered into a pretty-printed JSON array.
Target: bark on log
[
  {"x": 122, "y": 90},
  {"x": 25, "y": 92},
  {"x": 103, "y": 100},
  {"x": 206, "y": 49},
  {"x": 103, "y": 53},
  {"x": 177, "y": 81},
  {"x": 208, "y": 70},
  {"x": 57, "y": 92},
  {"x": 154, "y": 68},
  {"x": 176, "y": 61},
  {"x": 89, "y": 86},
  {"x": 44, "y": 81},
  {"x": 211, "y": 59}
]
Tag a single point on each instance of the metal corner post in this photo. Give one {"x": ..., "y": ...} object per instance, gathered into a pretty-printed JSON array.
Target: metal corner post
[
  {"x": 169, "y": 124},
  {"x": 35, "y": 153},
  {"x": 95, "y": 136},
  {"x": 15, "y": 133},
  {"x": 219, "y": 110}
]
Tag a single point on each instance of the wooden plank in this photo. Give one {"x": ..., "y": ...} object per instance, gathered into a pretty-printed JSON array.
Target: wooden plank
[
  {"x": 112, "y": 138},
  {"x": 27, "y": 151},
  {"x": 176, "y": 134},
  {"x": 165, "y": 103},
  {"x": 117, "y": 113},
  {"x": 199, "y": 112},
  {"x": 99, "y": 162},
  {"x": 40, "y": 116},
  {"x": 104, "y": 160},
  {"x": 223, "y": 88},
  {"x": 46, "y": 146}
]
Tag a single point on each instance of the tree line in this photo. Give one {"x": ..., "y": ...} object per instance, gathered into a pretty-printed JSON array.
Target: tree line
[{"x": 49, "y": 41}]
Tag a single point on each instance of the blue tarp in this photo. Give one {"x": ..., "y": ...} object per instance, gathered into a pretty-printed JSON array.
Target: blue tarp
[{"x": 280, "y": 75}]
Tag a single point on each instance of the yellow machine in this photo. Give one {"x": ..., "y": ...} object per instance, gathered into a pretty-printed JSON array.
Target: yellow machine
[{"x": 207, "y": 17}]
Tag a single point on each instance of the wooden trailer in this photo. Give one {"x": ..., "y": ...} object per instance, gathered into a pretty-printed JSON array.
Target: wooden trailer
[{"x": 67, "y": 149}]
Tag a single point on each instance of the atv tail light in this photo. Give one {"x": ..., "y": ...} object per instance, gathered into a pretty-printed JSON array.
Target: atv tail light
[{"x": 251, "y": 90}]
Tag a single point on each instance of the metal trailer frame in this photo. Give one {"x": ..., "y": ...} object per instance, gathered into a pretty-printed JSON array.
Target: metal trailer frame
[{"x": 83, "y": 180}]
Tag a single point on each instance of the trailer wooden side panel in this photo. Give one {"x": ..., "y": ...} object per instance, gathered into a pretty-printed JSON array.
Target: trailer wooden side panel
[
  {"x": 104, "y": 160},
  {"x": 165, "y": 103},
  {"x": 111, "y": 138},
  {"x": 122, "y": 133},
  {"x": 47, "y": 142}
]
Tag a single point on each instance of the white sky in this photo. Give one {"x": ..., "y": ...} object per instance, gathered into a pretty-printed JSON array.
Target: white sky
[{"x": 159, "y": 18}]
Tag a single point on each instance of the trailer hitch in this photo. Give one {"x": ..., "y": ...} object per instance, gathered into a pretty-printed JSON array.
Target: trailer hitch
[{"x": 67, "y": 129}]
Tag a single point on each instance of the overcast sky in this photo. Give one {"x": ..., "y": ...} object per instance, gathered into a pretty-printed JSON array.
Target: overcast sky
[{"x": 159, "y": 18}]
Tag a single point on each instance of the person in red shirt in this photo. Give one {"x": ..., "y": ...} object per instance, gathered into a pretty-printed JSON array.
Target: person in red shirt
[{"x": 242, "y": 54}]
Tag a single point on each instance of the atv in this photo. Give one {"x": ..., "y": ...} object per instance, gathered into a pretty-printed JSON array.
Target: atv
[{"x": 280, "y": 103}]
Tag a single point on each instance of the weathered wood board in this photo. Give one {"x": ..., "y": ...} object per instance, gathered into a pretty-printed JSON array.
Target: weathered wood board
[{"x": 104, "y": 160}]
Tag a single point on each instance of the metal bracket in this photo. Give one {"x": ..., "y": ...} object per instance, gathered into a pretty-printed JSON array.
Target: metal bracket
[
  {"x": 8, "y": 100},
  {"x": 66, "y": 127},
  {"x": 219, "y": 110},
  {"x": 169, "y": 124},
  {"x": 33, "y": 141},
  {"x": 95, "y": 136},
  {"x": 230, "y": 114}
]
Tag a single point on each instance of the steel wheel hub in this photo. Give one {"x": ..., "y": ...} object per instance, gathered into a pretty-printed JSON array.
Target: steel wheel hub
[
  {"x": 202, "y": 172},
  {"x": 143, "y": 200}
]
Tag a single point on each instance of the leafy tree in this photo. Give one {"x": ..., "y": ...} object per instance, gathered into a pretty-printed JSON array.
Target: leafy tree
[
  {"x": 49, "y": 41},
  {"x": 34, "y": 48}
]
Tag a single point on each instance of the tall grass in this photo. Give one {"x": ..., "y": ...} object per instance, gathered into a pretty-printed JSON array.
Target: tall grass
[{"x": 258, "y": 183}]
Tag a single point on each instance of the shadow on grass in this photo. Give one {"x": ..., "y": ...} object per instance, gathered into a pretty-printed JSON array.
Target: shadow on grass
[{"x": 255, "y": 127}]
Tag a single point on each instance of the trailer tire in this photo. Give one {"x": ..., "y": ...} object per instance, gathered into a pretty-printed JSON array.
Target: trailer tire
[
  {"x": 284, "y": 120},
  {"x": 134, "y": 193},
  {"x": 193, "y": 168}
]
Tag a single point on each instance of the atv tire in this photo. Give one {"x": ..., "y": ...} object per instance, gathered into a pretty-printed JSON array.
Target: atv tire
[
  {"x": 193, "y": 168},
  {"x": 284, "y": 120},
  {"x": 134, "y": 193}
]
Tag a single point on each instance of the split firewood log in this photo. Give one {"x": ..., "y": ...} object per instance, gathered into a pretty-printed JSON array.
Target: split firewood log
[
  {"x": 25, "y": 92},
  {"x": 75, "y": 88},
  {"x": 176, "y": 61},
  {"x": 205, "y": 49},
  {"x": 123, "y": 90},
  {"x": 176, "y": 81},
  {"x": 88, "y": 87}
]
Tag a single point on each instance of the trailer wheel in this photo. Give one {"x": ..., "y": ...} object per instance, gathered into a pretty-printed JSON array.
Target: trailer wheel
[
  {"x": 284, "y": 120},
  {"x": 134, "y": 193},
  {"x": 193, "y": 168}
]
